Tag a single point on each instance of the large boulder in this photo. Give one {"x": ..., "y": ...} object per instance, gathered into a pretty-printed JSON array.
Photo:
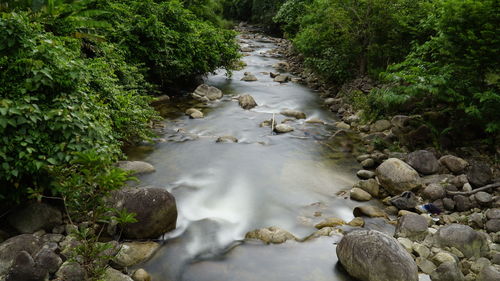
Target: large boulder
[
  {"x": 374, "y": 256},
  {"x": 455, "y": 164},
  {"x": 468, "y": 241},
  {"x": 136, "y": 167},
  {"x": 396, "y": 176},
  {"x": 247, "y": 102},
  {"x": 206, "y": 93},
  {"x": 132, "y": 253},
  {"x": 24, "y": 268},
  {"x": 423, "y": 161},
  {"x": 12, "y": 246},
  {"x": 35, "y": 216},
  {"x": 479, "y": 174},
  {"x": 155, "y": 209},
  {"x": 412, "y": 226}
]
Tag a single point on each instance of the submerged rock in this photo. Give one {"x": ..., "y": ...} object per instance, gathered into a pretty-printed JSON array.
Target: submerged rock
[
  {"x": 330, "y": 222},
  {"x": 293, "y": 113},
  {"x": 247, "y": 102},
  {"x": 226, "y": 139},
  {"x": 271, "y": 234},
  {"x": 137, "y": 167},
  {"x": 374, "y": 256},
  {"x": 194, "y": 113}
]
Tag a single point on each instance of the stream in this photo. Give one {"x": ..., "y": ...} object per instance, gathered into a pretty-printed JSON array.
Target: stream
[{"x": 224, "y": 190}]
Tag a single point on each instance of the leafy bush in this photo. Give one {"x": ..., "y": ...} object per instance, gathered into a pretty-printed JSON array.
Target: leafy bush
[{"x": 289, "y": 16}]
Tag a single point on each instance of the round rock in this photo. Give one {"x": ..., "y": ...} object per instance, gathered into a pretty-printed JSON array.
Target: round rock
[
  {"x": 455, "y": 164},
  {"x": 247, "y": 102},
  {"x": 136, "y": 167},
  {"x": 423, "y": 161},
  {"x": 359, "y": 194},
  {"x": 283, "y": 128},
  {"x": 468, "y": 241},
  {"x": 396, "y": 176},
  {"x": 412, "y": 226}
]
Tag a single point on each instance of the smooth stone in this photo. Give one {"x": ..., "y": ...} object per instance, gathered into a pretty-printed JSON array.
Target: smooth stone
[
  {"x": 247, "y": 102},
  {"x": 368, "y": 163},
  {"x": 493, "y": 225},
  {"x": 406, "y": 201},
  {"x": 132, "y": 253},
  {"x": 281, "y": 78},
  {"x": 205, "y": 93},
  {"x": 423, "y": 161},
  {"x": 359, "y": 194},
  {"x": 493, "y": 213},
  {"x": 434, "y": 192},
  {"x": 421, "y": 250},
  {"x": 455, "y": 164},
  {"x": 365, "y": 174},
  {"x": 112, "y": 274},
  {"x": 396, "y": 176},
  {"x": 357, "y": 222},
  {"x": 293, "y": 113},
  {"x": 425, "y": 265},
  {"x": 136, "y": 167},
  {"x": 194, "y": 113},
  {"x": 248, "y": 77},
  {"x": 342, "y": 125},
  {"x": 369, "y": 211},
  {"x": 468, "y": 241},
  {"x": 371, "y": 186},
  {"x": 71, "y": 271},
  {"x": 271, "y": 234},
  {"x": 489, "y": 273},
  {"x": 412, "y": 226},
  {"x": 226, "y": 139},
  {"x": 141, "y": 275},
  {"x": 283, "y": 128},
  {"x": 479, "y": 174},
  {"x": 483, "y": 198},
  {"x": 315, "y": 120}
]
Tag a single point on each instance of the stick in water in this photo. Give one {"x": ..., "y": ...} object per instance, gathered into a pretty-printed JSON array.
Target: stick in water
[{"x": 272, "y": 125}]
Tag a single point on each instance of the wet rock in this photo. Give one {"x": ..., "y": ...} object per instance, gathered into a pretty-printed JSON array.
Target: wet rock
[
  {"x": 412, "y": 226},
  {"x": 405, "y": 201},
  {"x": 359, "y": 194},
  {"x": 423, "y": 161},
  {"x": 374, "y": 256},
  {"x": 71, "y": 271},
  {"x": 462, "y": 203},
  {"x": 369, "y": 211},
  {"x": 479, "y": 174},
  {"x": 12, "y": 246},
  {"x": 493, "y": 225},
  {"x": 365, "y": 174},
  {"x": 155, "y": 209},
  {"x": 455, "y": 164},
  {"x": 249, "y": 77},
  {"x": 489, "y": 273},
  {"x": 281, "y": 78},
  {"x": 112, "y": 274},
  {"x": 468, "y": 241},
  {"x": 226, "y": 139},
  {"x": 281, "y": 66},
  {"x": 483, "y": 198},
  {"x": 371, "y": 186},
  {"x": 48, "y": 260},
  {"x": 330, "y": 222},
  {"x": 206, "y": 93},
  {"x": 357, "y": 222},
  {"x": 273, "y": 74},
  {"x": 141, "y": 275},
  {"x": 246, "y": 49},
  {"x": 434, "y": 192},
  {"x": 24, "y": 268},
  {"x": 315, "y": 120},
  {"x": 194, "y": 113},
  {"x": 447, "y": 271},
  {"x": 380, "y": 126},
  {"x": 342, "y": 125},
  {"x": 247, "y": 102},
  {"x": 396, "y": 176},
  {"x": 368, "y": 163},
  {"x": 425, "y": 265},
  {"x": 271, "y": 234},
  {"x": 293, "y": 113},
  {"x": 35, "y": 216},
  {"x": 132, "y": 253},
  {"x": 137, "y": 167},
  {"x": 283, "y": 128}
]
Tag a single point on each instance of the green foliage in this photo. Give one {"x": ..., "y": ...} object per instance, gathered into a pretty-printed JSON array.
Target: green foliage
[
  {"x": 457, "y": 69},
  {"x": 238, "y": 9},
  {"x": 289, "y": 16}
]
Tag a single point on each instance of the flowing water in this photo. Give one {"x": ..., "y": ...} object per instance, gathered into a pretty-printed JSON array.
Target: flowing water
[{"x": 224, "y": 190}]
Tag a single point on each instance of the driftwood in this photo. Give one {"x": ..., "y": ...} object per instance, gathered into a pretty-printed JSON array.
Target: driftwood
[
  {"x": 486, "y": 187},
  {"x": 272, "y": 125}
]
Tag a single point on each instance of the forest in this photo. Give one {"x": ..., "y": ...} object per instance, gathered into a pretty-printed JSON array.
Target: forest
[{"x": 77, "y": 78}]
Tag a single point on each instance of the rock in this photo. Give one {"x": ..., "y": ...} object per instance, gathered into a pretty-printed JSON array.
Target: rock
[
  {"x": 281, "y": 66},
  {"x": 271, "y": 234},
  {"x": 315, "y": 120},
  {"x": 421, "y": 250},
  {"x": 137, "y": 167},
  {"x": 365, "y": 174},
  {"x": 434, "y": 192},
  {"x": 155, "y": 209},
  {"x": 141, "y": 275},
  {"x": 400, "y": 121},
  {"x": 493, "y": 213},
  {"x": 273, "y": 74},
  {"x": 357, "y": 222},
  {"x": 246, "y": 49},
  {"x": 249, "y": 77},
  {"x": 412, "y": 226},
  {"x": 448, "y": 204},
  {"x": 405, "y": 201},
  {"x": 489, "y": 273},
  {"x": 423, "y": 161},
  {"x": 281, "y": 78},
  {"x": 206, "y": 93},
  {"x": 468, "y": 241},
  {"x": 48, "y": 260},
  {"x": 479, "y": 174},
  {"x": 194, "y": 113},
  {"x": 406, "y": 243},
  {"x": 12, "y": 246},
  {"x": 24, "y": 268},
  {"x": 226, "y": 139},
  {"x": 396, "y": 176},
  {"x": 342, "y": 125},
  {"x": 359, "y": 194},
  {"x": 374, "y": 256},
  {"x": 493, "y": 225},
  {"x": 159, "y": 101},
  {"x": 442, "y": 257},
  {"x": 371, "y": 186},
  {"x": 455, "y": 164},
  {"x": 447, "y": 271},
  {"x": 283, "y": 128},
  {"x": 462, "y": 203},
  {"x": 483, "y": 198},
  {"x": 112, "y": 274},
  {"x": 71, "y": 271},
  {"x": 368, "y": 163},
  {"x": 425, "y": 265},
  {"x": 247, "y": 102},
  {"x": 479, "y": 264},
  {"x": 369, "y": 211},
  {"x": 419, "y": 137},
  {"x": 476, "y": 220},
  {"x": 293, "y": 113},
  {"x": 132, "y": 253},
  {"x": 330, "y": 222},
  {"x": 380, "y": 126},
  {"x": 35, "y": 216}
]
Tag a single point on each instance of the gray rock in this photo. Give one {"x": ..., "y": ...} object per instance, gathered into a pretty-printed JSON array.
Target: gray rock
[
  {"x": 434, "y": 192},
  {"x": 371, "y": 186},
  {"x": 12, "y": 246},
  {"x": 359, "y": 194},
  {"x": 194, "y": 113},
  {"x": 447, "y": 271},
  {"x": 365, "y": 174},
  {"x": 47, "y": 259},
  {"x": 283, "y": 128},
  {"x": 468, "y": 241},
  {"x": 462, "y": 203},
  {"x": 293, "y": 113},
  {"x": 35, "y": 216},
  {"x": 489, "y": 273},
  {"x": 412, "y": 226},
  {"x": 400, "y": 121},
  {"x": 405, "y": 201},
  {"x": 368, "y": 163},
  {"x": 247, "y": 102},
  {"x": 374, "y": 256},
  {"x": 281, "y": 78},
  {"x": 249, "y": 77},
  {"x": 493, "y": 213},
  {"x": 448, "y": 204},
  {"x": 206, "y": 93},
  {"x": 493, "y": 225},
  {"x": 380, "y": 126},
  {"x": 479, "y": 174},
  {"x": 425, "y": 265},
  {"x": 476, "y": 220},
  {"x": 271, "y": 234},
  {"x": 281, "y": 66},
  {"x": 112, "y": 274},
  {"x": 455, "y": 164},
  {"x": 24, "y": 268},
  {"x": 155, "y": 210},
  {"x": 132, "y": 253},
  {"x": 423, "y": 161},
  {"x": 483, "y": 198},
  {"x": 71, "y": 271},
  {"x": 396, "y": 176},
  {"x": 137, "y": 167},
  {"x": 226, "y": 139}
]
